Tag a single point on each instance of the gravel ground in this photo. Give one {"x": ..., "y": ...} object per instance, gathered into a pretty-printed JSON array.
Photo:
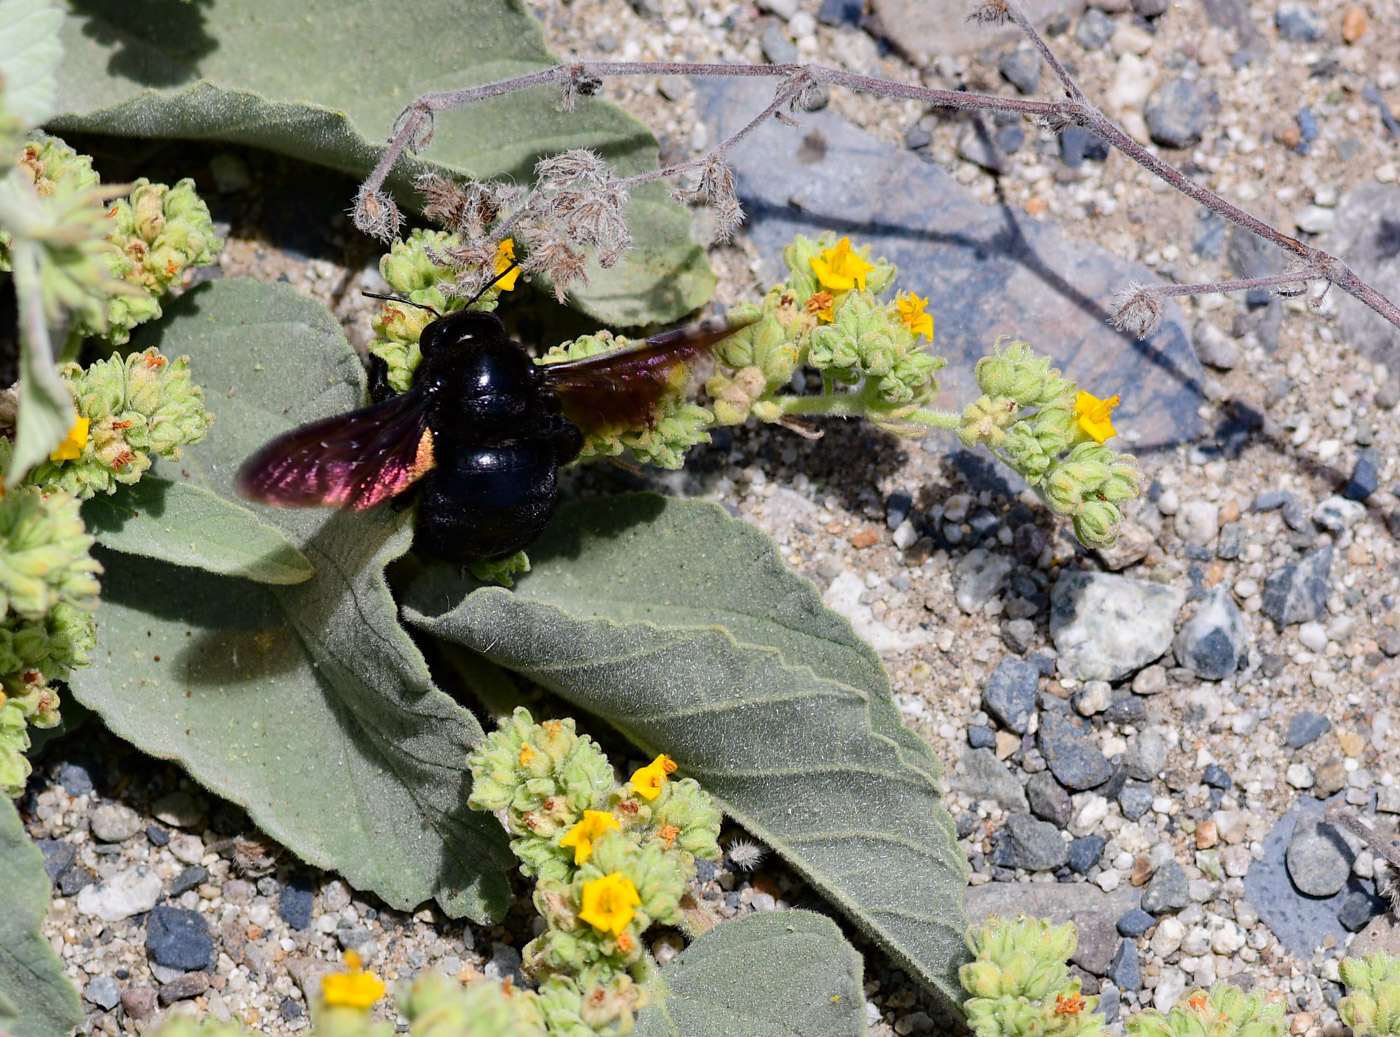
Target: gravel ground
[{"x": 1156, "y": 768}]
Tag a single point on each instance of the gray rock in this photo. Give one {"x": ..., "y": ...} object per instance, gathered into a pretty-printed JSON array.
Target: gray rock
[
  {"x": 1299, "y": 22},
  {"x": 103, "y": 992},
  {"x": 1021, "y": 68},
  {"x": 1177, "y": 113},
  {"x": 1197, "y": 522},
  {"x": 1214, "y": 348},
  {"x": 1336, "y": 514},
  {"x": 504, "y": 964},
  {"x": 1072, "y": 754},
  {"x": 179, "y": 809},
  {"x": 977, "y": 144},
  {"x": 1010, "y": 693},
  {"x": 178, "y": 939},
  {"x": 115, "y": 823},
  {"x": 1017, "y": 634},
  {"x": 1231, "y": 542},
  {"x": 1097, "y": 941},
  {"x": 1365, "y": 476},
  {"x": 1297, "y": 593},
  {"x": 978, "y": 577},
  {"x": 1106, "y": 627},
  {"x": 1124, "y": 970},
  {"x": 1166, "y": 890},
  {"x": 1135, "y": 923},
  {"x": 1135, "y": 799},
  {"x": 1318, "y": 859},
  {"x": 1146, "y": 755},
  {"x": 1038, "y": 845},
  {"x": 982, "y": 776},
  {"x": 1213, "y": 641},
  {"x": 927, "y": 31},
  {"x": 1300, "y": 922},
  {"x": 1093, "y": 30},
  {"x": 1150, "y": 8},
  {"x": 1085, "y": 852},
  {"x": 1048, "y": 800},
  {"x": 188, "y": 879},
  {"x": 777, "y": 48},
  {"x": 1056, "y": 901},
  {"x": 1363, "y": 231},
  {"x": 1305, "y": 728},
  {"x": 975, "y": 257}
]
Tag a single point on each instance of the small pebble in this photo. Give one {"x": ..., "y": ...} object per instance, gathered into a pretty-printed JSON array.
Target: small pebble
[
  {"x": 1021, "y": 68},
  {"x": 1298, "y": 592},
  {"x": 1072, "y": 754},
  {"x": 1316, "y": 863},
  {"x": 114, "y": 822},
  {"x": 1093, "y": 30},
  {"x": 1299, "y": 22},
  {"x": 295, "y": 903},
  {"x": 1135, "y": 923},
  {"x": 139, "y": 1002},
  {"x": 1305, "y": 728},
  {"x": 178, "y": 939},
  {"x": 1177, "y": 113},
  {"x": 1166, "y": 890},
  {"x": 103, "y": 992},
  {"x": 1125, "y": 971},
  {"x": 1084, "y": 853},
  {"x": 1010, "y": 693}
]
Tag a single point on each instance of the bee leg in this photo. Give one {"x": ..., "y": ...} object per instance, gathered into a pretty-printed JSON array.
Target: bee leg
[{"x": 379, "y": 387}]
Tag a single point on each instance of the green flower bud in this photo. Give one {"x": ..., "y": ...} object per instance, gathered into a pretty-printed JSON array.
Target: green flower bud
[
  {"x": 1224, "y": 1011},
  {"x": 503, "y": 570},
  {"x": 14, "y": 743},
  {"x": 44, "y": 557},
  {"x": 685, "y": 806},
  {"x": 1372, "y": 1004},
  {"x": 438, "y": 1006},
  {"x": 610, "y": 1002},
  {"x": 660, "y": 877}
]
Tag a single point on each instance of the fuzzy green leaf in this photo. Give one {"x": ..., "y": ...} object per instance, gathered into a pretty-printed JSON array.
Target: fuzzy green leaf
[
  {"x": 36, "y": 1000},
  {"x": 189, "y": 525},
  {"x": 308, "y": 704},
  {"x": 788, "y": 972},
  {"x": 681, "y": 628},
  {"x": 29, "y": 53},
  {"x": 325, "y": 85}
]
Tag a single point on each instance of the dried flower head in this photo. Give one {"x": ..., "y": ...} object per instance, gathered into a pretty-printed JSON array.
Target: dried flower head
[
  {"x": 745, "y": 854},
  {"x": 1136, "y": 310},
  {"x": 374, "y": 213}
]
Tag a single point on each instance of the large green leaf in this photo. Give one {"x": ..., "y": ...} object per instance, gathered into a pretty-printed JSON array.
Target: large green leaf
[
  {"x": 681, "y": 627},
  {"x": 308, "y": 704},
  {"x": 29, "y": 53},
  {"x": 35, "y": 998},
  {"x": 324, "y": 82},
  {"x": 782, "y": 974},
  {"x": 189, "y": 525}
]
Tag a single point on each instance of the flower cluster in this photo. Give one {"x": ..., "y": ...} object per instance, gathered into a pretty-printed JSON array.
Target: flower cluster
[
  {"x": 48, "y": 589},
  {"x": 1372, "y": 1004},
  {"x": 1020, "y": 985},
  {"x": 1053, "y": 434},
  {"x": 609, "y": 860},
  {"x": 128, "y": 409},
  {"x": 1223, "y": 1011},
  {"x": 111, "y": 258}
]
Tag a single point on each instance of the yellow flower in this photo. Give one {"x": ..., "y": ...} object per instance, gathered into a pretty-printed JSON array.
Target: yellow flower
[
  {"x": 354, "y": 989},
  {"x": 505, "y": 257},
  {"x": 609, "y": 902},
  {"x": 72, "y": 448},
  {"x": 823, "y": 305},
  {"x": 841, "y": 269},
  {"x": 911, "y": 311},
  {"x": 1093, "y": 413},
  {"x": 588, "y": 831},
  {"x": 527, "y": 756},
  {"x": 647, "y": 781}
]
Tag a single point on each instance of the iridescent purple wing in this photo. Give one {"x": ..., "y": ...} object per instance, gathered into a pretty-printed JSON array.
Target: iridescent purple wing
[
  {"x": 620, "y": 390},
  {"x": 353, "y": 460}
]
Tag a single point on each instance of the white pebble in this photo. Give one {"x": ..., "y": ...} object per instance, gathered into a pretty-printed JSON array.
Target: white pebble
[
  {"x": 1313, "y": 635},
  {"x": 1168, "y": 937},
  {"x": 1299, "y": 775}
]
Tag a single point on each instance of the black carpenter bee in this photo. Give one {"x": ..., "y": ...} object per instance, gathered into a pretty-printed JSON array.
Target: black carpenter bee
[{"x": 481, "y": 434}]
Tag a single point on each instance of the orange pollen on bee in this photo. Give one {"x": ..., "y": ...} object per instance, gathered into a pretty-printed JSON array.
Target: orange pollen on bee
[
  {"x": 155, "y": 361},
  {"x": 423, "y": 460},
  {"x": 1071, "y": 1005}
]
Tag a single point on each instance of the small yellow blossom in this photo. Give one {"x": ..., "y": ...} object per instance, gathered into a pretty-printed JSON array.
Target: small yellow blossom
[
  {"x": 609, "y": 903},
  {"x": 72, "y": 448},
  {"x": 588, "y": 831},
  {"x": 527, "y": 756},
  {"x": 840, "y": 269},
  {"x": 911, "y": 311},
  {"x": 822, "y": 304},
  {"x": 505, "y": 258},
  {"x": 354, "y": 989},
  {"x": 647, "y": 781},
  {"x": 1093, "y": 414}
]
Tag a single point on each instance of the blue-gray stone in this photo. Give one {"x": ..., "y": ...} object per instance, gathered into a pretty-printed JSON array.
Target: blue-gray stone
[
  {"x": 1318, "y": 859},
  {"x": 1297, "y": 593},
  {"x": 1084, "y": 852},
  {"x": 897, "y": 507},
  {"x": 72, "y": 881},
  {"x": 1362, "y": 231},
  {"x": 1299, "y": 22},
  {"x": 1208, "y": 234},
  {"x": 955, "y": 249},
  {"x": 1271, "y": 499},
  {"x": 841, "y": 12},
  {"x": 294, "y": 905},
  {"x": 980, "y": 737},
  {"x": 1010, "y": 693},
  {"x": 1037, "y": 845},
  {"x": 79, "y": 776},
  {"x": 1150, "y": 8},
  {"x": 1093, "y": 29},
  {"x": 1166, "y": 890},
  {"x": 1305, "y": 728},
  {"x": 1125, "y": 971},
  {"x": 1135, "y": 923},
  {"x": 1216, "y": 776},
  {"x": 1230, "y": 544},
  {"x": 178, "y": 939},
  {"x": 188, "y": 879},
  {"x": 1213, "y": 641},
  {"x": 1365, "y": 477},
  {"x": 1021, "y": 68},
  {"x": 1048, "y": 800},
  {"x": 103, "y": 992},
  {"x": 1358, "y": 908},
  {"x": 981, "y": 775},
  {"x": 157, "y": 835},
  {"x": 915, "y": 137},
  {"x": 1177, "y": 113},
  {"x": 1135, "y": 799},
  {"x": 1071, "y": 753},
  {"x": 58, "y": 856},
  {"x": 705, "y": 873},
  {"x": 777, "y": 48}
]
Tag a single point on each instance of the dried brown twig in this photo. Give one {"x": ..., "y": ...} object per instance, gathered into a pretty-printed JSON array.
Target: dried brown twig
[
  {"x": 553, "y": 222},
  {"x": 1337, "y": 814}
]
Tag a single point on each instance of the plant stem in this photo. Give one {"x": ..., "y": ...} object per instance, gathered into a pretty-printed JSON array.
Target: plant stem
[{"x": 854, "y": 405}]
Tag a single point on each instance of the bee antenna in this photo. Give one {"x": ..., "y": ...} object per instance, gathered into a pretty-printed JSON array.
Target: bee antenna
[
  {"x": 400, "y": 298},
  {"x": 491, "y": 283}
]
